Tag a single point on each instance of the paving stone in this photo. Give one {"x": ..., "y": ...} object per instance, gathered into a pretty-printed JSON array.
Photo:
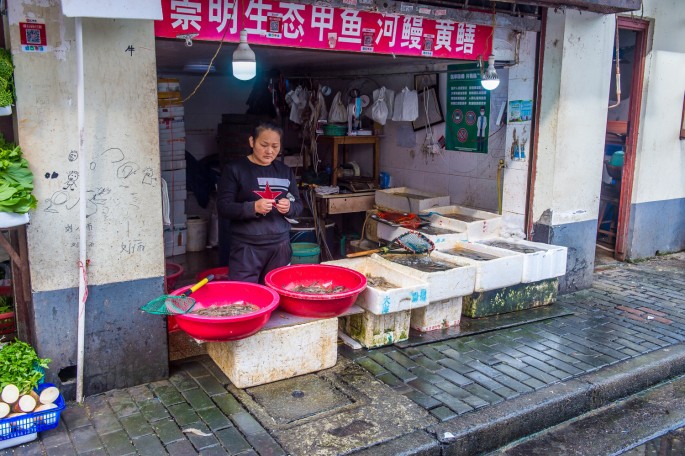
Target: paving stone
[
  {"x": 412, "y": 352},
  {"x": 351, "y": 353},
  {"x": 560, "y": 374},
  {"x": 117, "y": 443},
  {"x": 402, "y": 359},
  {"x": 183, "y": 414},
  {"x": 198, "y": 399},
  {"x": 424, "y": 386},
  {"x": 513, "y": 384},
  {"x": 427, "y": 363},
  {"x": 182, "y": 381},
  {"x": 75, "y": 417},
  {"x": 484, "y": 380},
  {"x": 149, "y": 445},
  {"x": 153, "y": 410},
  {"x": 216, "y": 371},
  {"x": 213, "y": 451},
  {"x": 65, "y": 449},
  {"x": 372, "y": 366},
  {"x": 454, "y": 377},
  {"x": 55, "y": 437},
  {"x": 456, "y": 366},
  {"x": 233, "y": 441},
  {"x": 214, "y": 418},
  {"x": 265, "y": 445},
  {"x": 247, "y": 424},
  {"x": 85, "y": 439},
  {"x": 431, "y": 353},
  {"x": 425, "y": 374},
  {"x": 29, "y": 449},
  {"x": 483, "y": 393},
  {"x": 181, "y": 448},
  {"x": 201, "y": 441},
  {"x": 167, "y": 430},
  {"x": 630, "y": 352},
  {"x": 141, "y": 393},
  {"x": 443, "y": 413},
  {"x": 195, "y": 369},
  {"x": 390, "y": 380},
  {"x": 228, "y": 404},
  {"x": 535, "y": 383},
  {"x": 423, "y": 400},
  {"x": 453, "y": 403},
  {"x": 573, "y": 370},
  {"x": 136, "y": 425},
  {"x": 121, "y": 402},
  {"x": 210, "y": 385},
  {"x": 169, "y": 395},
  {"x": 392, "y": 366},
  {"x": 535, "y": 353},
  {"x": 505, "y": 392}
]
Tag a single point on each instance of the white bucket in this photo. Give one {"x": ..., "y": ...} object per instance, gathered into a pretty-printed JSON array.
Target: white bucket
[{"x": 197, "y": 234}]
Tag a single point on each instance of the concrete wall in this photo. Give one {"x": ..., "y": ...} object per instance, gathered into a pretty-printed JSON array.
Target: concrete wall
[
  {"x": 124, "y": 233},
  {"x": 659, "y": 180},
  {"x": 575, "y": 90}
]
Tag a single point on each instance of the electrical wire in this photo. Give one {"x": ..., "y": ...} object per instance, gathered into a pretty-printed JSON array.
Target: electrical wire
[{"x": 209, "y": 67}]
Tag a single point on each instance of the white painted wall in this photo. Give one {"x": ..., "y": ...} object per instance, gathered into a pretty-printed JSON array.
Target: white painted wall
[
  {"x": 660, "y": 158},
  {"x": 121, "y": 146},
  {"x": 575, "y": 90}
]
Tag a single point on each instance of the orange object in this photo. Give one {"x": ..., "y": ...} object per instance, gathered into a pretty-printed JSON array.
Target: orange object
[{"x": 406, "y": 220}]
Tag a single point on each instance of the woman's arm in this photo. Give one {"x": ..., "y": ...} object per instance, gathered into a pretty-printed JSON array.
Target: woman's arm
[{"x": 227, "y": 204}]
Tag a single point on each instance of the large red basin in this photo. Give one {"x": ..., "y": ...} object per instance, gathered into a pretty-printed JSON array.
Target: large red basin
[
  {"x": 285, "y": 279},
  {"x": 221, "y": 329}
]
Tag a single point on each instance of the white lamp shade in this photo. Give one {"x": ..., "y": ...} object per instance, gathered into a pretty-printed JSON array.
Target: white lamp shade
[
  {"x": 244, "y": 61},
  {"x": 244, "y": 70},
  {"x": 489, "y": 84}
]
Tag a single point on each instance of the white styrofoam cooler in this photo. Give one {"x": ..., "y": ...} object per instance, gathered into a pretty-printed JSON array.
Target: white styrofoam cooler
[
  {"x": 545, "y": 262},
  {"x": 452, "y": 283},
  {"x": 406, "y": 199},
  {"x": 437, "y": 315},
  {"x": 503, "y": 271},
  {"x": 486, "y": 225},
  {"x": 438, "y": 235},
  {"x": 412, "y": 292}
]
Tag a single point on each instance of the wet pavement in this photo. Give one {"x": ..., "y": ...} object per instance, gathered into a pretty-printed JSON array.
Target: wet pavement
[{"x": 413, "y": 394}]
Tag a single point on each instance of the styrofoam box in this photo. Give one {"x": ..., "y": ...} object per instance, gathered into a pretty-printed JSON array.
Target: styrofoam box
[
  {"x": 503, "y": 271},
  {"x": 168, "y": 165},
  {"x": 437, "y": 315},
  {"x": 459, "y": 281},
  {"x": 170, "y": 111},
  {"x": 406, "y": 199},
  {"x": 486, "y": 225},
  {"x": 178, "y": 195},
  {"x": 171, "y": 122},
  {"x": 175, "y": 240},
  {"x": 437, "y": 235},
  {"x": 175, "y": 155},
  {"x": 546, "y": 262},
  {"x": 412, "y": 292},
  {"x": 165, "y": 135},
  {"x": 172, "y": 144},
  {"x": 173, "y": 177},
  {"x": 7, "y": 443}
]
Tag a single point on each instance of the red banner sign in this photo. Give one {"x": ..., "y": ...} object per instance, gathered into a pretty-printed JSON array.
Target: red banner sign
[{"x": 287, "y": 24}]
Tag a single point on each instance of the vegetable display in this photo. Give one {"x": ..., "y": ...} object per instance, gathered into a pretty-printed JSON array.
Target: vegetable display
[
  {"x": 16, "y": 180},
  {"x": 20, "y": 366},
  {"x": 6, "y": 78}
]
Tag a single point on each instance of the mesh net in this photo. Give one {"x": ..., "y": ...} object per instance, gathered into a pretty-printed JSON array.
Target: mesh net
[
  {"x": 169, "y": 305},
  {"x": 415, "y": 242}
]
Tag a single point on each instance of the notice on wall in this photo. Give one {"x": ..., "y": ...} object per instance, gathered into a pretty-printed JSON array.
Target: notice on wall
[
  {"x": 468, "y": 110},
  {"x": 32, "y": 36},
  {"x": 520, "y": 111}
]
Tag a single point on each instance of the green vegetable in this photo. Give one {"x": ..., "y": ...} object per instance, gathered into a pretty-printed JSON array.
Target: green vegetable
[
  {"x": 18, "y": 366},
  {"x": 16, "y": 180}
]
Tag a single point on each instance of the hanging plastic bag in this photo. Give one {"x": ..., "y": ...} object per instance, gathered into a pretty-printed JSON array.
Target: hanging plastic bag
[
  {"x": 321, "y": 102},
  {"x": 338, "y": 112},
  {"x": 389, "y": 99},
  {"x": 297, "y": 100},
  {"x": 379, "y": 110},
  {"x": 398, "y": 109},
  {"x": 410, "y": 105}
]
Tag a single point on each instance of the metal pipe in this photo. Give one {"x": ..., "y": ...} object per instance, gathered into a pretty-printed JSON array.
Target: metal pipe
[
  {"x": 618, "y": 72},
  {"x": 82, "y": 273}
]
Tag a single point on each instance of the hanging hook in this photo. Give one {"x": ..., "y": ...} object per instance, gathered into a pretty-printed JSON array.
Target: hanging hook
[{"x": 188, "y": 37}]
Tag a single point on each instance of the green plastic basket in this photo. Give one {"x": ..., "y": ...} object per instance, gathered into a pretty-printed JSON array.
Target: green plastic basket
[
  {"x": 335, "y": 130},
  {"x": 305, "y": 253}
]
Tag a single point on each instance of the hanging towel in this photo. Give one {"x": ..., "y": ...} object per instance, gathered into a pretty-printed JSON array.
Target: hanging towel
[{"x": 165, "y": 204}]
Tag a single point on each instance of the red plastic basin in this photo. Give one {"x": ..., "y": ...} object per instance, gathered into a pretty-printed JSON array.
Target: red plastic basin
[
  {"x": 219, "y": 273},
  {"x": 173, "y": 272},
  {"x": 285, "y": 279},
  {"x": 221, "y": 329}
]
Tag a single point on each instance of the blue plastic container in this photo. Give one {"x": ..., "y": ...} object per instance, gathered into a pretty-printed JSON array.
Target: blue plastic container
[{"x": 31, "y": 423}]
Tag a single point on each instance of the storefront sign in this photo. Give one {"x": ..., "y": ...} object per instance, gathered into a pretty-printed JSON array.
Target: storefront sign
[
  {"x": 288, "y": 24},
  {"x": 32, "y": 36},
  {"x": 468, "y": 110}
]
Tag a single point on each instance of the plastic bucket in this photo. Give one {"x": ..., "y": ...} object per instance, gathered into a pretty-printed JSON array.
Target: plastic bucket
[
  {"x": 305, "y": 253},
  {"x": 197, "y": 234}
]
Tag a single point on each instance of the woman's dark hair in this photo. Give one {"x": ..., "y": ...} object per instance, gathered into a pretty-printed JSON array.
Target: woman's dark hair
[{"x": 263, "y": 126}]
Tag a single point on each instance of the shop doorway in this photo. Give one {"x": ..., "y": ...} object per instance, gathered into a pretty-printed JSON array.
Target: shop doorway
[{"x": 621, "y": 139}]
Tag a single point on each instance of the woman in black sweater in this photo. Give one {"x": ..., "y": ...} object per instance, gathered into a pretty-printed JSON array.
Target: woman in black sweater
[{"x": 256, "y": 193}]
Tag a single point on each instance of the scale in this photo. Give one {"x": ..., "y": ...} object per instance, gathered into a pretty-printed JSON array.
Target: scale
[{"x": 357, "y": 183}]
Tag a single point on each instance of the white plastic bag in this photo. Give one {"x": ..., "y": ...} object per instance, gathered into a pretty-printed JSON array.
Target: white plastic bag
[
  {"x": 321, "y": 102},
  {"x": 338, "y": 112},
  {"x": 379, "y": 110},
  {"x": 410, "y": 105},
  {"x": 389, "y": 99},
  {"x": 398, "y": 109}
]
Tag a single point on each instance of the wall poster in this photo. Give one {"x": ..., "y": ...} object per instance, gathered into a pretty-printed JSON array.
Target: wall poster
[{"x": 468, "y": 110}]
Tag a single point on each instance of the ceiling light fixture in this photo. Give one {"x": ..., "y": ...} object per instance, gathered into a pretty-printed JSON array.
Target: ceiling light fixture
[
  {"x": 244, "y": 62},
  {"x": 488, "y": 78}
]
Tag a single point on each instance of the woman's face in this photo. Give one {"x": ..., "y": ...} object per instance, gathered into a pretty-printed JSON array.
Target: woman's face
[{"x": 265, "y": 147}]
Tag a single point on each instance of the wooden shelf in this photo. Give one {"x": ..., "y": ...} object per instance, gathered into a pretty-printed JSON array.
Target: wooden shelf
[{"x": 336, "y": 141}]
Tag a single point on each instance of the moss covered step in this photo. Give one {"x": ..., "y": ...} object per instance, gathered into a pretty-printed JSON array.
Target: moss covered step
[{"x": 511, "y": 299}]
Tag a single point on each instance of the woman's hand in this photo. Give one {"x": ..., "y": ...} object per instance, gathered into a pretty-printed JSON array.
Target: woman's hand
[
  {"x": 264, "y": 206},
  {"x": 283, "y": 205}
]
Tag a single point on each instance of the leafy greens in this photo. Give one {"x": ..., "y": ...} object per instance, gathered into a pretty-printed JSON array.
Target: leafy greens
[
  {"x": 20, "y": 366},
  {"x": 16, "y": 180}
]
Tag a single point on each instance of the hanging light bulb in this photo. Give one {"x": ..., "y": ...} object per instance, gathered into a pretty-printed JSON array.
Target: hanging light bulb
[
  {"x": 488, "y": 78},
  {"x": 244, "y": 62}
]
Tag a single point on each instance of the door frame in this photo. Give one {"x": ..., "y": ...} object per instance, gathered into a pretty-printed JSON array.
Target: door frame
[{"x": 640, "y": 26}]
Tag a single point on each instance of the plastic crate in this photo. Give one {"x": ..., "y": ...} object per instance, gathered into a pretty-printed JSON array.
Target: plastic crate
[
  {"x": 32, "y": 423},
  {"x": 6, "y": 323}
]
